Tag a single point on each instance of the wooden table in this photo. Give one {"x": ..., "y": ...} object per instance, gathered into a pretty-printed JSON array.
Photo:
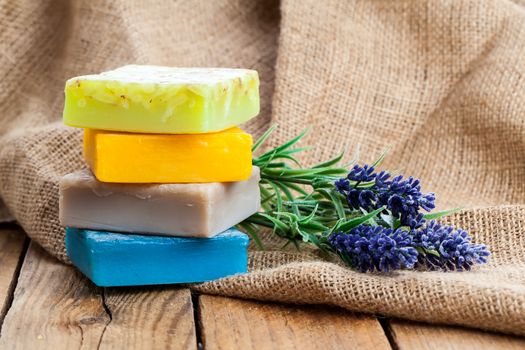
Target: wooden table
[{"x": 47, "y": 305}]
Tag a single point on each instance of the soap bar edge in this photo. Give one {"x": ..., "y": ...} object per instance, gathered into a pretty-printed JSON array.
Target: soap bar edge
[{"x": 96, "y": 273}]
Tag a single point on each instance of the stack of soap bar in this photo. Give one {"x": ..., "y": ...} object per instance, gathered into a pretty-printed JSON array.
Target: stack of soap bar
[
  {"x": 187, "y": 210},
  {"x": 166, "y": 159},
  {"x": 151, "y": 99},
  {"x": 112, "y": 259},
  {"x": 153, "y": 158}
]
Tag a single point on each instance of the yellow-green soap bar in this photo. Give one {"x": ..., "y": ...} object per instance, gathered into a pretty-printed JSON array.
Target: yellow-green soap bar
[{"x": 154, "y": 99}]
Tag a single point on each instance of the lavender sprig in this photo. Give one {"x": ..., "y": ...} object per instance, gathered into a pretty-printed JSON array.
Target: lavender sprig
[
  {"x": 402, "y": 197},
  {"x": 443, "y": 247},
  {"x": 371, "y": 220},
  {"x": 375, "y": 248}
]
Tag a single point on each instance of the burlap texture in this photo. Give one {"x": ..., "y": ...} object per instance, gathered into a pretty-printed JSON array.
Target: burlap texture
[{"x": 439, "y": 83}]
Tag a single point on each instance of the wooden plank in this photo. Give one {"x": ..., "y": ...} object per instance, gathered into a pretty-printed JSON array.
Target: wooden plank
[
  {"x": 54, "y": 306},
  {"x": 12, "y": 242},
  {"x": 409, "y": 335},
  {"x": 227, "y": 323},
  {"x": 149, "y": 318}
]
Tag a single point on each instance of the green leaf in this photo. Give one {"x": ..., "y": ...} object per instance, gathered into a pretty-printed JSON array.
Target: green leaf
[
  {"x": 380, "y": 159},
  {"x": 336, "y": 201},
  {"x": 266, "y": 199},
  {"x": 285, "y": 145},
  {"x": 276, "y": 165},
  {"x": 322, "y": 182},
  {"x": 278, "y": 223},
  {"x": 287, "y": 156},
  {"x": 334, "y": 228},
  {"x": 306, "y": 222},
  {"x": 257, "y": 219},
  {"x": 266, "y": 194},
  {"x": 314, "y": 239},
  {"x": 287, "y": 244},
  {"x": 440, "y": 214},
  {"x": 304, "y": 235},
  {"x": 309, "y": 218},
  {"x": 311, "y": 203},
  {"x": 388, "y": 219},
  {"x": 295, "y": 188},
  {"x": 263, "y": 163},
  {"x": 278, "y": 197},
  {"x": 296, "y": 150},
  {"x": 253, "y": 234},
  {"x": 291, "y": 216},
  {"x": 354, "y": 158},
  {"x": 371, "y": 221},
  {"x": 432, "y": 216},
  {"x": 397, "y": 224},
  {"x": 263, "y": 138},
  {"x": 289, "y": 196},
  {"x": 280, "y": 173},
  {"x": 350, "y": 224},
  {"x": 330, "y": 162},
  {"x": 432, "y": 252},
  {"x": 363, "y": 184},
  {"x": 301, "y": 181}
]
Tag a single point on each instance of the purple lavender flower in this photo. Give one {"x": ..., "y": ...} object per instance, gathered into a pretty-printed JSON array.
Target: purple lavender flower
[
  {"x": 382, "y": 179},
  {"x": 360, "y": 198},
  {"x": 362, "y": 174},
  {"x": 454, "y": 248},
  {"x": 357, "y": 197},
  {"x": 417, "y": 221},
  {"x": 376, "y": 248},
  {"x": 342, "y": 185},
  {"x": 402, "y": 197}
]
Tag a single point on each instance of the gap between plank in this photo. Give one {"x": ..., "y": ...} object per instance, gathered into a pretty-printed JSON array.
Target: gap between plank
[
  {"x": 16, "y": 275},
  {"x": 197, "y": 319},
  {"x": 385, "y": 324}
]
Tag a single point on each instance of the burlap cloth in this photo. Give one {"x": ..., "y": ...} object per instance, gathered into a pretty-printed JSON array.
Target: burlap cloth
[{"x": 440, "y": 83}]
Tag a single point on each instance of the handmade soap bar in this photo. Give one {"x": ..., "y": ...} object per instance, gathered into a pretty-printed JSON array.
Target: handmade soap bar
[
  {"x": 151, "y": 99},
  {"x": 114, "y": 259},
  {"x": 152, "y": 158},
  {"x": 189, "y": 210}
]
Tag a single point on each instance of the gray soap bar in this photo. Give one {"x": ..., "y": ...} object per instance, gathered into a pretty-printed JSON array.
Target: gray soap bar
[{"x": 186, "y": 210}]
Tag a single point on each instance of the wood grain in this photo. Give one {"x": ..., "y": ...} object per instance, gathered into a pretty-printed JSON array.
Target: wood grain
[
  {"x": 54, "y": 307},
  {"x": 240, "y": 324},
  {"x": 12, "y": 241},
  {"x": 409, "y": 335},
  {"x": 149, "y": 318}
]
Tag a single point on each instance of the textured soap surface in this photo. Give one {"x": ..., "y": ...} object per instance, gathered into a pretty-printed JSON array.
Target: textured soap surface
[
  {"x": 113, "y": 259},
  {"x": 162, "y": 158},
  {"x": 186, "y": 210},
  {"x": 152, "y": 99}
]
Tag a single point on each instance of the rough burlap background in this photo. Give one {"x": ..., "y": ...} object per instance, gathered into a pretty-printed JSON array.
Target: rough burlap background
[{"x": 441, "y": 83}]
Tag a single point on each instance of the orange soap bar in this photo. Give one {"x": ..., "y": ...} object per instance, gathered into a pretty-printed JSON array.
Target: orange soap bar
[{"x": 161, "y": 158}]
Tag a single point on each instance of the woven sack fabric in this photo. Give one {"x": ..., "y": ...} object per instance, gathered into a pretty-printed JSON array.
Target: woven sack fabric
[{"x": 439, "y": 83}]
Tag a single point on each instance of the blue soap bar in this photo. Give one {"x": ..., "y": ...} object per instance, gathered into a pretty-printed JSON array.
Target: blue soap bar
[{"x": 113, "y": 259}]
